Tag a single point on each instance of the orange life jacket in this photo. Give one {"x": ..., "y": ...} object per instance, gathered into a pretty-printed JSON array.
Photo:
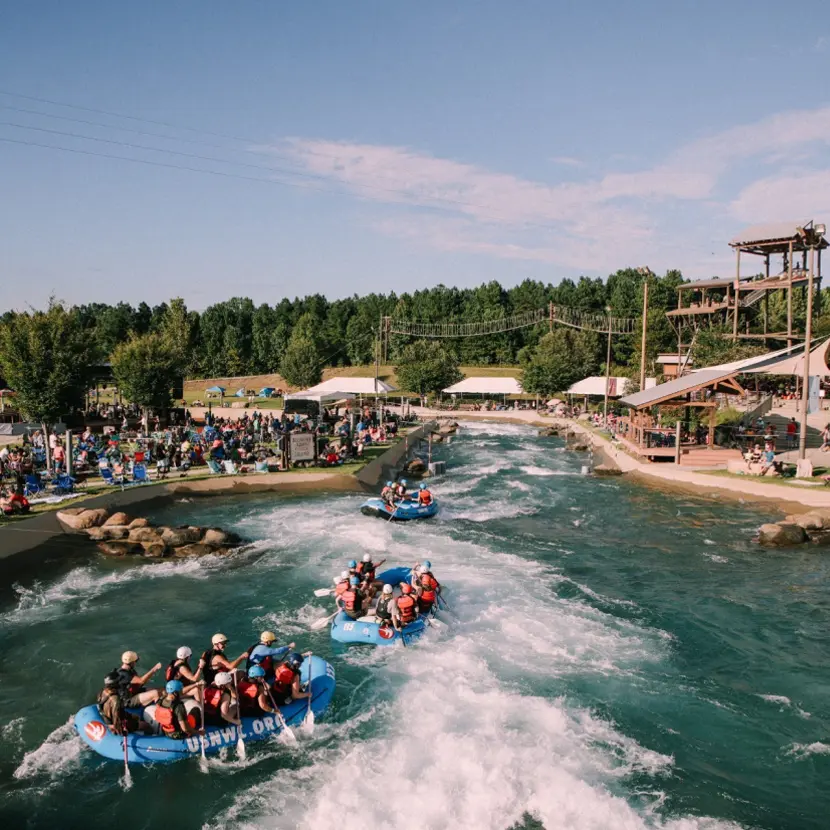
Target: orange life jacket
[
  {"x": 427, "y": 584},
  {"x": 352, "y": 601},
  {"x": 424, "y": 497},
  {"x": 248, "y": 690},
  {"x": 341, "y": 587},
  {"x": 366, "y": 570},
  {"x": 406, "y": 607},
  {"x": 166, "y": 719},
  {"x": 284, "y": 679}
]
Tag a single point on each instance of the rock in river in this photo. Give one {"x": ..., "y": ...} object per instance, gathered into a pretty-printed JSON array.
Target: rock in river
[{"x": 781, "y": 535}]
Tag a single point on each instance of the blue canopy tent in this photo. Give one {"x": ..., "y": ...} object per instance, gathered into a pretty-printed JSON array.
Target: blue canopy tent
[
  {"x": 240, "y": 393},
  {"x": 266, "y": 391},
  {"x": 219, "y": 389}
]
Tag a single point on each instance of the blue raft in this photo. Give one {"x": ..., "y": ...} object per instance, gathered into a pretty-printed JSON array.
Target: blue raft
[
  {"x": 404, "y": 512},
  {"x": 149, "y": 749},
  {"x": 346, "y": 630}
]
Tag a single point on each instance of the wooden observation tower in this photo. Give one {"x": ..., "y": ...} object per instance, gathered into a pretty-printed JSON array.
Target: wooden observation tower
[{"x": 742, "y": 303}]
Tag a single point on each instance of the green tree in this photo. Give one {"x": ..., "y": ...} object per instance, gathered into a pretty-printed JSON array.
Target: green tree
[
  {"x": 176, "y": 329},
  {"x": 427, "y": 366},
  {"x": 300, "y": 364},
  {"x": 45, "y": 356},
  {"x": 145, "y": 370},
  {"x": 562, "y": 357}
]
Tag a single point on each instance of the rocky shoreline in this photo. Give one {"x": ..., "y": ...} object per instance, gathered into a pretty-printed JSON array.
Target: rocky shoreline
[{"x": 118, "y": 534}]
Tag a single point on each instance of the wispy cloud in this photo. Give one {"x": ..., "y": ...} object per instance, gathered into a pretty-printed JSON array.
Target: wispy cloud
[
  {"x": 455, "y": 206},
  {"x": 567, "y": 161}
]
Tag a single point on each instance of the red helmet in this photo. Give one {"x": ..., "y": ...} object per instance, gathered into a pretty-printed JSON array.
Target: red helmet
[{"x": 406, "y": 588}]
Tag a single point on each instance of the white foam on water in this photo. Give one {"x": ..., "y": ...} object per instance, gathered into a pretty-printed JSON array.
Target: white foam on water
[
  {"x": 82, "y": 585},
  {"x": 802, "y": 751},
  {"x": 54, "y": 757},
  {"x": 12, "y": 734},
  {"x": 785, "y": 703}
]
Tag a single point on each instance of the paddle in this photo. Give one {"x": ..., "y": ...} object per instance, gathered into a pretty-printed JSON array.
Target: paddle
[
  {"x": 308, "y": 720},
  {"x": 240, "y": 742},
  {"x": 392, "y": 514},
  {"x": 323, "y": 621},
  {"x": 324, "y": 592},
  {"x": 446, "y": 604},
  {"x": 203, "y": 764},
  {"x": 286, "y": 729},
  {"x": 128, "y": 779}
]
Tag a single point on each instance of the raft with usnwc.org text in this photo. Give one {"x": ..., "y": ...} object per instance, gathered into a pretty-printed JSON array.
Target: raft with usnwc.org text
[
  {"x": 149, "y": 749},
  {"x": 404, "y": 512}
]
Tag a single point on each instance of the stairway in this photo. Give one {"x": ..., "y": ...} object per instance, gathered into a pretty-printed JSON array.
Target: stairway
[{"x": 781, "y": 421}]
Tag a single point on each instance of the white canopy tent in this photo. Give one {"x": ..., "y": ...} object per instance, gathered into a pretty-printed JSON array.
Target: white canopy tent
[
  {"x": 485, "y": 386},
  {"x": 596, "y": 386},
  {"x": 356, "y": 386},
  {"x": 320, "y": 397},
  {"x": 787, "y": 361}
]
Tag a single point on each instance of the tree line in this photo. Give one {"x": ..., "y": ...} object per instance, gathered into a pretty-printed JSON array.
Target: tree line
[{"x": 47, "y": 356}]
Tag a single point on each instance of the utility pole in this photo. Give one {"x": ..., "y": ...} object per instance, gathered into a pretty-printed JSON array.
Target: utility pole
[
  {"x": 646, "y": 272},
  {"x": 608, "y": 369},
  {"x": 377, "y": 353},
  {"x": 808, "y": 336}
]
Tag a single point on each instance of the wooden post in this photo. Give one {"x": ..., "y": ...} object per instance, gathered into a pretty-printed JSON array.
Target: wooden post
[
  {"x": 677, "y": 442},
  {"x": 645, "y": 329},
  {"x": 808, "y": 335},
  {"x": 737, "y": 298},
  {"x": 712, "y": 415},
  {"x": 790, "y": 297},
  {"x": 607, "y": 372}
]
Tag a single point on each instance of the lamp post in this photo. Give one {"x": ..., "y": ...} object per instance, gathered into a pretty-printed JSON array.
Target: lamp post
[{"x": 813, "y": 236}]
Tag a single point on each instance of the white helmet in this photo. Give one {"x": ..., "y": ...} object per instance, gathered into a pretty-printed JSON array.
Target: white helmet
[
  {"x": 387, "y": 589},
  {"x": 344, "y": 574},
  {"x": 222, "y": 678},
  {"x": 336, "y": 579},
  {"x": 423, "y": 569},
  {"x": 367, "y": 557},
  {"x": 183, "y": 653}
]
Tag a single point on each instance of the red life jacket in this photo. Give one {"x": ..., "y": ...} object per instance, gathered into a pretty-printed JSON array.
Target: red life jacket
[
  {"x": 284, "y": 679},
  {"x": 164, "y": 717},
  {"x": 248, "y": 690},
  {"x": 406, "y": 606},
  {"x": 424, "y": 497},
  {"x": 172, "y": 671},
  {"x": 213, "y": 698},
  {"x": 351, "y": 600},
  {"x": 267, "y": 663},
  {"x": 366, "y": 570},
  {"x": 341, "y": 587}
]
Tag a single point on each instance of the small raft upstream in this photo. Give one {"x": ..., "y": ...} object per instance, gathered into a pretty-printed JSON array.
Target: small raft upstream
[
  {"x": 404, "y": 512},
  {"x": 150, "y": 749}
]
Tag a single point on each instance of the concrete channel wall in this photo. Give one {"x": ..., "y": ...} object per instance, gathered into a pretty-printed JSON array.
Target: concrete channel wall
[{"x": 386, "y": 466}]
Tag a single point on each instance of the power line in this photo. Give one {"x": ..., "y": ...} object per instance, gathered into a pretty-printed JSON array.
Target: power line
[{"x": 432, "y": 202}]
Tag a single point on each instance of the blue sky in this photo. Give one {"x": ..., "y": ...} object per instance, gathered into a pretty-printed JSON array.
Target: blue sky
[{"x": 367, "y": 145}]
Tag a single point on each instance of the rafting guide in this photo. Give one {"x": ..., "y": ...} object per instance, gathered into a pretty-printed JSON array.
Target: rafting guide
[{"x": 395, "y": 504}]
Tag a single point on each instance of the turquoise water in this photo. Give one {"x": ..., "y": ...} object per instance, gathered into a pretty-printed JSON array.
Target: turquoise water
[{"x": 619, "y": 658}]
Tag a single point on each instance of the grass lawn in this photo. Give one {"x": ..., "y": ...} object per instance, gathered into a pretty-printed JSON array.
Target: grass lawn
[{"x": 787, "y": 482}]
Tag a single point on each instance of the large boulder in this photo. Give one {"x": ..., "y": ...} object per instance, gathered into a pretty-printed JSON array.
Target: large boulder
[
  {"x": 549, "y": 432},
  {"x": 118, "y": 519},
  {"x": 138, "y": 523},
  {"x": 218, "y": 538},
  {"x": 97, "y": 534},
  {"x": 579, "y": 446},
  {"x": 781, "y": 535},
  {"x": 193, "y": 550},
  {"x": 146, "y": 534},
  {"x": 416, "y": 467},
  {"x": 77, "y": 519},
  {"x": 607, "y": 470},
  {"x": 175, "y": 537},
  {"x": 116, "y": 531},
  {"x": 119, "y": 548},
  {"x": 809, "y": 521},
  {"x": 154, "y": 550}
]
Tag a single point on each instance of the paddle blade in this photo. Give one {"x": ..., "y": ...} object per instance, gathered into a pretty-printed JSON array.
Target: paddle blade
[
  {"x": 240, "y": 749},
  {"x": 322, "y": 592},
  {"x": 318, "y": 624},
  {"x": 308, "y": 722},
  {"x": 287, "y": 736}
]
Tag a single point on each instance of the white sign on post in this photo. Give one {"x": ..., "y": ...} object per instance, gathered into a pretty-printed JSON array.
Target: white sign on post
[
  {"x": 813, "y": 400},
  {"x": 302, "y": 446}
]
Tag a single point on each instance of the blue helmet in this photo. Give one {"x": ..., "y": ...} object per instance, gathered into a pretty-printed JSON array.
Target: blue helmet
[
  {"x": 295, "y": 659},
  {"x": 422, "y": 486},
  {"x": 403, "y": 481},
  {"x": 427, "y": 564},
  {"x": 256, "y": 671},
  {"x": 173, "y": 687},
  {"x": 352, "y": 563},
  {"x": 354, "y": 581},
  {"x": 388, "y": 483}
]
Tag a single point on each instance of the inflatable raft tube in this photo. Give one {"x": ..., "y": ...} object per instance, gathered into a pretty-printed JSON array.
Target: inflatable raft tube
[
  {"x": 405, "y": 512},
  {"x": 153, "y": 749},
  {"x": 346, "y": 630}
]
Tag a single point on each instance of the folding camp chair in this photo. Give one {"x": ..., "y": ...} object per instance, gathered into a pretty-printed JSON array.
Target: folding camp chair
[
  {"x": 63, "y": 484},
  {"x": 213, "y": 466},
  {"x": 140, "y": 474},
  {"x": 33, "y": 486}
]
